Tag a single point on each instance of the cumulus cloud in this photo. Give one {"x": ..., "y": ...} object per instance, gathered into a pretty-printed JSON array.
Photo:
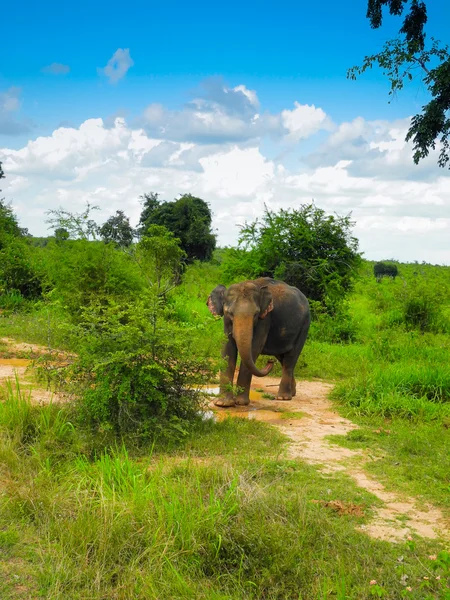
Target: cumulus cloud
[
  {"x": 112, "y": 165},
  {"x": 56, "y": 69},
  {"x": 118, "y": 65},
  {"x": 375, "y": 149},
  {"x": 220, "y": 114},
  {"x": 9, "y": 105},
  {"x": 304, "y": 120}
]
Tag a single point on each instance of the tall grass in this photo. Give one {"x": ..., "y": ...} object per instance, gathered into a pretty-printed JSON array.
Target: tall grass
[{"x": 214, "y": 520}]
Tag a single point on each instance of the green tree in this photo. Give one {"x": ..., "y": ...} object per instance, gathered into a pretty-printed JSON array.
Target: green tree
[
  {"x": 117, "y": 229},
  {"x": 78, "y": 225},
  {"x": 306, "y": 248},
  {"x": 188, "y": 218},
  {"x": 408, "y": 56},
  {"x": 8, "y": 220},
  {"x": 150, "y": 203},
  {"x": 160, "y": 258},
  {"x": 61, "y": 234}
]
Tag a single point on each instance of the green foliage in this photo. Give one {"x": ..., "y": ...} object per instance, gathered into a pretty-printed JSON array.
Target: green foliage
[
  {"x": 18, "y": 269},
  {"x": 9, "y": 225},
  {"x": 383, "y": 269},
  {"x": 135, "y": 369},
  {"x": 400, "y": 60},
  {"x": 80, "y": 273},
  {"x": 408, "y": 391},
  {"x": 78, "y": 225},
  {"x": 160, "y": 258},
  {"x": 306, "y": 248},
  {"x": 188, "y": 218},
  {"x": 61, "y": 234},
  {"x": 117, "y": 229}
]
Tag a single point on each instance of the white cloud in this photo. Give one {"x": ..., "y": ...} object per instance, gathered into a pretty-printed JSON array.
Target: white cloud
[
  {"x": 118, "y": 65},
  {"x": 56, "y": 69},
  {"x": 220, "y": 114},
  {"x": 304, "y": 120},
  {"x": 363, "y": 167}
]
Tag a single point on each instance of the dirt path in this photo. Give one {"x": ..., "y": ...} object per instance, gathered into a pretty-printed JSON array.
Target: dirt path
[
  {"x": 308, "y": 432},
  {"x": 16, "y": 370}
]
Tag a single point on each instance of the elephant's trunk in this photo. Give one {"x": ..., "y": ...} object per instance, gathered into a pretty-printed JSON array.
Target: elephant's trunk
[{"x": 243, "y": 334}]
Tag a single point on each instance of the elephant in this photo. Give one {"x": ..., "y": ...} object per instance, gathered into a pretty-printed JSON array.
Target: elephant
[{"x": 260, "y": 316}]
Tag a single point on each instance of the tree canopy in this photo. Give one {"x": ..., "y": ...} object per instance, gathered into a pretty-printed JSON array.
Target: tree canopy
[
  {"x": 117, "y": 229},
  {"x": 188, "y": 218},
  {"x": 78, "y": 225},
  {"x": 306, "y": 248},
  {"x": 408, "y": 56}
]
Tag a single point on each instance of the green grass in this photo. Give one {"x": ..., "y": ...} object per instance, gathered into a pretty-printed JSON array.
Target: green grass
[
  {"x": 225, "y": 516},
  {"x": 411, "y": 457}
]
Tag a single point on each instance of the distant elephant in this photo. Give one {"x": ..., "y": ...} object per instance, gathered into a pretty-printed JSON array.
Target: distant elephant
[{"x": 263, "y": 316}]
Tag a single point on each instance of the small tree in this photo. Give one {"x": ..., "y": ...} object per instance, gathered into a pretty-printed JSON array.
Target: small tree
[
  {"x": 117, "y": 229},
  {"x": 78, "y": 225},
  {"x": 61, "y": 235},
  {"x": 306, "y": 248},
  {"x": 160, "y": 258}
]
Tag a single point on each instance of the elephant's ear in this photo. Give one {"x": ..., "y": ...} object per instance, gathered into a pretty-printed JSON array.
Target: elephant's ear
[
  {"x": 266, "y": 302},
  {"x": 215, "y": 300}
]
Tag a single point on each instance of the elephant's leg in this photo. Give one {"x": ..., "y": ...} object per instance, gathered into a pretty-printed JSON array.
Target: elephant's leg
[
  {"x": 243, "y": 383},
  {"x": 285, "y": 389},
  {"x": 226, "y": 378},
  {"x": 287, "y": 380},
  {"x": 288, "y": 386}
]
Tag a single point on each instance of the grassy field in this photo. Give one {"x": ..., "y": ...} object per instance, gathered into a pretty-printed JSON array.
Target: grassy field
[{"x": 220, "y": 512}]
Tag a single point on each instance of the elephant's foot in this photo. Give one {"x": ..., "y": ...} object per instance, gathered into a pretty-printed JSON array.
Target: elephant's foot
[
  {"x": 242, "y": 400},
  {"x": 287, "y": 396},
  {"x": 285, "y": 391},
  {"x": 227, "y": 400},
  {"x": 293, "y": 387}
]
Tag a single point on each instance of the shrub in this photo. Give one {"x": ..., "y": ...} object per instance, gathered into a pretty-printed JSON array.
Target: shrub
[
  {"x": 306, "y": 248},
  {"x": 382, "y": 269},
  {"x": 80, "y": 272},
  {"x": 136, "y": 370},
  {"x": 18, "y": 268}
]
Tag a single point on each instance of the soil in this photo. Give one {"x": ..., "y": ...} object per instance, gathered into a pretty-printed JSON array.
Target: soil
[
  {"x": 307, "y": 420},
  {"x": 18, "y": 370}
]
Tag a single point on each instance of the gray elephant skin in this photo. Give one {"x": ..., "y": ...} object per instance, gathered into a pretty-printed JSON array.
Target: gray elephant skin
[{"x": 261, "y": 316}]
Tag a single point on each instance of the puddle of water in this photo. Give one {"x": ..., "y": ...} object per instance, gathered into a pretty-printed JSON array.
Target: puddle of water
[{"x": 14, "y": 362}]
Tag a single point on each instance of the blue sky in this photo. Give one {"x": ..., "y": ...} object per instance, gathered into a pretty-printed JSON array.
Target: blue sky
[
  {"x": 285, "y": 50},
  {"x": 282, "y": 52}
]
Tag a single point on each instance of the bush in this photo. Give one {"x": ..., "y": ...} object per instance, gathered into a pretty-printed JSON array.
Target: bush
[
  {"x": 18, "y": 269},
  {"x": 382, "y": 269},
  {"x": 80, "y": 272},
  {"x": 306, "y": 248},
  {"x": 135, "y": 369}
]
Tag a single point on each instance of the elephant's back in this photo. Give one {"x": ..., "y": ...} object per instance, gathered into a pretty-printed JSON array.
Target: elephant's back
[{"x": 282, "y": 292}]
